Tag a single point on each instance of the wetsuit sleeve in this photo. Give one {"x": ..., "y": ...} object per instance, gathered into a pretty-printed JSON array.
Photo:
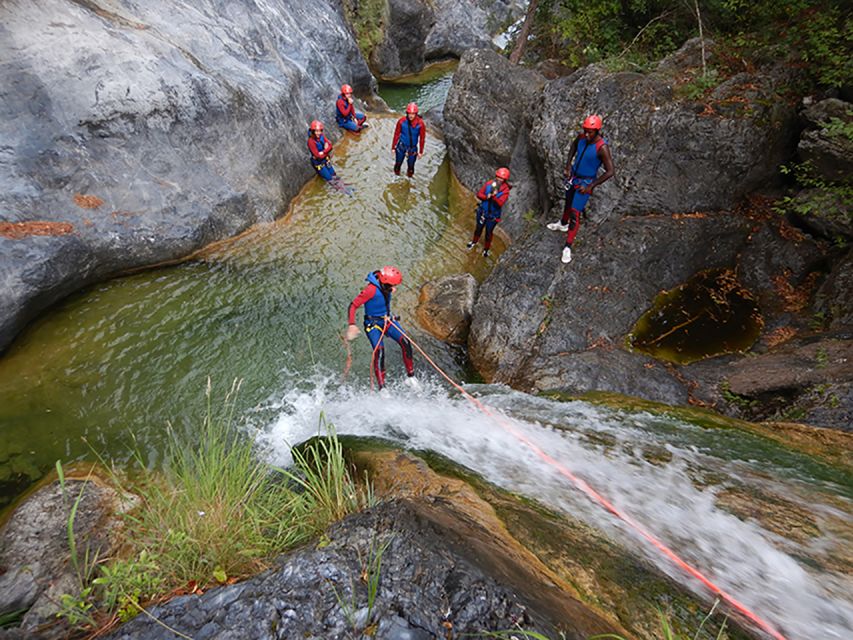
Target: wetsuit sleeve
[
  {"x": 481, "y": 194},
  {"x": 345, "y": 108},
  {"x": 397, "y": 132},
  {"x": 366, "y": 294},
  {"x": 315, "y": 151},
  {"x": 423, "y": 135}
]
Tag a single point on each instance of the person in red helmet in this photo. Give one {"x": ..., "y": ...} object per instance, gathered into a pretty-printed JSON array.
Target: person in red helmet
[
  {"x": 345, "y": 113},
  {"x": 378, "y": 321},
  {"x": 320, "y": 148},
  {"x": 589, "y": 151},
  {"x": 493, "y": 196},
  {"x": 409, "y": 138}
]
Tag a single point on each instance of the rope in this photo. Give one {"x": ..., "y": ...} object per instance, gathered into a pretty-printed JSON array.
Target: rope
[{"x": 601, "y": 500}]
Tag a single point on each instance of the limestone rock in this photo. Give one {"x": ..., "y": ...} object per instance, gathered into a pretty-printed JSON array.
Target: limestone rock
[
  {"x": 445, "y": 306},
  {"x": 151, "y": 129},
  {"x": 431, "y": 575},
  {"x": 829, "y": 152},
  {"x": 34, "y": 550}
]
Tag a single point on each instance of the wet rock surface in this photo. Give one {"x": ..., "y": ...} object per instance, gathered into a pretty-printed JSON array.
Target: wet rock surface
[
  {"x": 540, "y": 325},
  {"x": 428, "y": 587},
  {"x": 445, "y": 306},
  {"x": 153, "y": 129},
  {"x": 419, "y": 32},
  {"x": 487, "y": 123},
  {"x": 34, "y": 551}
]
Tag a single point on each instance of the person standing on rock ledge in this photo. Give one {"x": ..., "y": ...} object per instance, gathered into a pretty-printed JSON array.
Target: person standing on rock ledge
[
  {"x": 378, "y": 321},
  {"x": 346, "y": 115},
  {"x": 320, "y": 148},
  {"x": 588, "y": 152},
  {"x": 493, "y": 196},
  {"x": 409, "y": 138}
]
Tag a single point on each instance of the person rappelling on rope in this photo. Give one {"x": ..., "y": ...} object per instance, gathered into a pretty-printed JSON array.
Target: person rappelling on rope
[
  {"x": 320, "y": 148},
  {"x": 378, "y": 321},
  {"x": 493, "y": 196},
  {"x": 409, "y": 138},
  {"x": 589, "y": 151},
  {"x": 345, "y": 114}
]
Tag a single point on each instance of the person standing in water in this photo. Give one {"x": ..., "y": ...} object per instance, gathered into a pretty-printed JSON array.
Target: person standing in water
[
  {"x": 493, "y": 196},
  {"x": 345, "y": 114},
  {"x": 589, "y": 151},
  {"x": 378, "y": 321},
  {"x": 409, "y": 138},
  {"x": 320, "y": 148}
]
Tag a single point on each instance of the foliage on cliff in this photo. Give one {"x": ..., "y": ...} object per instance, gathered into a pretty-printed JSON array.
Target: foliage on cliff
[{"x": 816, "y": 34}]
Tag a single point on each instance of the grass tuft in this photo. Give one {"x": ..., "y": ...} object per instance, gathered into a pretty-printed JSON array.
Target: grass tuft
[{"x": 218, "y": 512}]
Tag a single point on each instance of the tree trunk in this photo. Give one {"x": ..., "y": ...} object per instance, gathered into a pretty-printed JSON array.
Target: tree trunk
[{"x": 518, "y": 51}]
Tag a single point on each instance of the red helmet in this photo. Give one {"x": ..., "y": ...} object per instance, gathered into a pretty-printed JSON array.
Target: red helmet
[
  {"x": 390, "y": 275},
  {"x": 502, "y": 173},
  {"x": 592, "y": 122},
  {"x": 412, "y": 108},
  {"x": 316, "y": 124},
  {"x": 345, "y": 88}
]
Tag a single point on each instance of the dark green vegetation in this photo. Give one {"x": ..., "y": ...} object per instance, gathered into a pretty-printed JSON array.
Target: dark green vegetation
[
  {"x": 217, "y": 513},
  {"x": 709, "y": 315},
  {"x": 814, "y": 34}
]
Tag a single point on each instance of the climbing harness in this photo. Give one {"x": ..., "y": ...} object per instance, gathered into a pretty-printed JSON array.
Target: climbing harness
[{"x": 602, "y": 501}]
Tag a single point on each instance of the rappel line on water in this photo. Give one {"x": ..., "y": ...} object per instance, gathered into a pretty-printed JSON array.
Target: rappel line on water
[{"x": 596, "y": 497}]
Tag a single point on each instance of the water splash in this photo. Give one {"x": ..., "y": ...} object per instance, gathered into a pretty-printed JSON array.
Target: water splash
[{"x": 791, "y": 584}]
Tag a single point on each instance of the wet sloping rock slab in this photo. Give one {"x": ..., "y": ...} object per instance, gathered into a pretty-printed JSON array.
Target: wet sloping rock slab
[
  {"x": 430, "y": 586},
  {"x": 542, "y": 325},
  {"x": 152, "y": 129},
  {"x": 555, "y": 555}
]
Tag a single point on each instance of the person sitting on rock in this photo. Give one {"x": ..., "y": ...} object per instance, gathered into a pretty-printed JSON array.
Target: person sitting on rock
[
  {"x": 346, "y": 115},
  {"x": 320, "y": 148},
  {"x": 409, "y": 138},
  {"x": 493, "y": 196},
  {"x": 378, "y": 321},
  {"x": 589, "y": 151}
]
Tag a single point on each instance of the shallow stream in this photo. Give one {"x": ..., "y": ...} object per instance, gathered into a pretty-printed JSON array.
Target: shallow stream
[{"x": 115, "y": 363}]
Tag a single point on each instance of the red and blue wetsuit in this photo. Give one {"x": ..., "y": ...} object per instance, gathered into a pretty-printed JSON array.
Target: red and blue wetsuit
[
  {"x": 584, "y": 171},
  {"x": 377, "y": 312},
  {"x": 409, "y": 138},
  {"x": 321, "y": 149},
  {"x": 346, "y": 115},
  {"x": 493, "y": 197}
]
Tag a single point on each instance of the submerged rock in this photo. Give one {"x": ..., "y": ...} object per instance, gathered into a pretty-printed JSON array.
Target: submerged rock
[{"x": 151, "y": 129}]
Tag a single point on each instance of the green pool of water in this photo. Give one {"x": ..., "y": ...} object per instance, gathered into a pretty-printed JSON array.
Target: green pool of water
[{"x": 115, "y": 363}]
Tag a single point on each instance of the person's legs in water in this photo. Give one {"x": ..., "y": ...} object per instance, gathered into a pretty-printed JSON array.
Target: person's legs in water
[
  {"x": 351, "y": 125},
  {"x": 398, "y": 162},
  {"x": 411, "y": 158},
  {"x": 374, "y": 334},
  {"x": 395, "y": 332},
  {"x": 326, "y": 171}
]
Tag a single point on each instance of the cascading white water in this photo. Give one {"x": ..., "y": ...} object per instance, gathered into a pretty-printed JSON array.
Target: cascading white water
[{"x": 760, "y": 568}]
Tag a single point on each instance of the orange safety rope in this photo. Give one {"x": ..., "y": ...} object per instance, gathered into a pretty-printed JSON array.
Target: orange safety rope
[
  {"x": 376, "y": 348},
  {"x": 597, "y": 497}
]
